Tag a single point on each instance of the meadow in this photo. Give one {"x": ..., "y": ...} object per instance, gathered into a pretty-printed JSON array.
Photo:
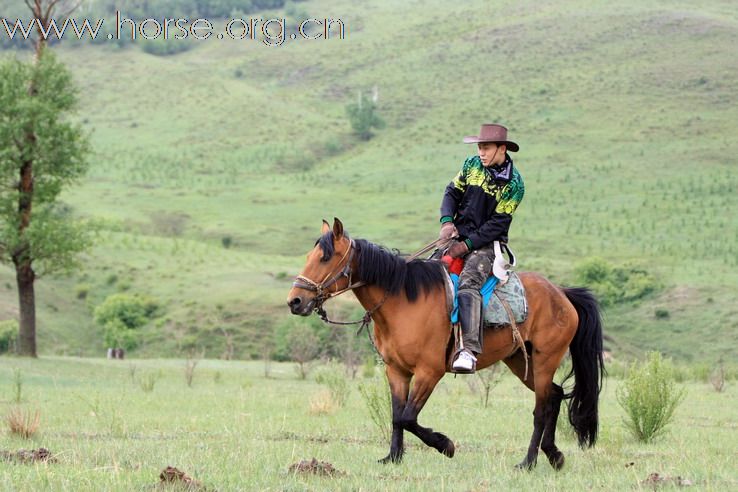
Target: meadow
[
  {"x": 213, "y": 168},
  {"x": 234, "y": 429}
]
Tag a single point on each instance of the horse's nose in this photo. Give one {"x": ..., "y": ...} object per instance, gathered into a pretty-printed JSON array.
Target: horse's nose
[{"x": 294, "y": 304}]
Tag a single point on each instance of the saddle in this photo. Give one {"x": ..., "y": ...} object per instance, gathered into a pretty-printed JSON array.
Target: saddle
[{"x": 503, "y": 284}]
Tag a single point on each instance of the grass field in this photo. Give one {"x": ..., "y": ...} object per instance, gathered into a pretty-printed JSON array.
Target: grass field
[
  {"x": 624, "y": 112},
  {"x": 236, "y": 430}
]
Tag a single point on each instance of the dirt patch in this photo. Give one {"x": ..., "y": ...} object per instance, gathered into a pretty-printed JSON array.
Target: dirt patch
[
  {"x": 655, "y": 480},
  {"x": 315, "y": 467},
  {"x": 291, "y": 436},
  {"x": 173, "y": 477},
  {"x": 28, "y": 456}
]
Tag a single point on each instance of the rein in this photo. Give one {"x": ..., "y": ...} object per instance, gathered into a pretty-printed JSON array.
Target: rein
[{"x": 323, "y": 294}]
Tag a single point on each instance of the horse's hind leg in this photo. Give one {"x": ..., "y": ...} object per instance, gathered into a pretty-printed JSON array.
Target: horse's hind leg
[
  {"x": 546, "y": 412},
  {"x": 399, "y": 386},
  {"x": 548, "y": 445},
  {"x": 422, "y": 388}
]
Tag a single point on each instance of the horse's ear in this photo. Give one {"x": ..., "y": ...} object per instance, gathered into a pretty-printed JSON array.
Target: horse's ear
[
  {"x": 326, "y": 227},
  {"x": 337, "y": 228}
]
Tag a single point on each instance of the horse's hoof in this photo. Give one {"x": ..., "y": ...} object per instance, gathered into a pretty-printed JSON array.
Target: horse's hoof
[
  {"x": 450, "y": 449},
  {"x": 557, "y": 460},
  {"x": 526, "y": 465},
  {"x": 390, "y": 459}
]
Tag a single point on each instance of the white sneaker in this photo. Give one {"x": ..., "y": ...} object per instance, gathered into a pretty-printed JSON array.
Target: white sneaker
[{"x": 465, "y": 362}]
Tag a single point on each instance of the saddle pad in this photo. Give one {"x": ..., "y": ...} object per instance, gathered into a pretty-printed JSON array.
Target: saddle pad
[{"x": 514, "y": 293}]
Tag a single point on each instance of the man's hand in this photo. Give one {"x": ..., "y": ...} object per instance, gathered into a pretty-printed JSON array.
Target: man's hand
[
  {"x": 448, "y": 230},
  {"x": 458, "y": 249}
]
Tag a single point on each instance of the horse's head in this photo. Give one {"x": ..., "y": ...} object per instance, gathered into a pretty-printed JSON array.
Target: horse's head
[{"x": 327, "y": 270}]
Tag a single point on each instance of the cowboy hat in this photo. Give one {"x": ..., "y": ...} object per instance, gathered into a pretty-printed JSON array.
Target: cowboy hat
[{"x": 493, "y": 133}]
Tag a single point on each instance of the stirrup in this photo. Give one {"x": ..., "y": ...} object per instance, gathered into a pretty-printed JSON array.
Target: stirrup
[{"x": 463, "y": 356}]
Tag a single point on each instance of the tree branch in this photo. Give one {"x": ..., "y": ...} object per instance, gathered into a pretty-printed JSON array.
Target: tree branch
[
  {"x": 69, "y": 12},
  {"x": 52, "y": 3}
]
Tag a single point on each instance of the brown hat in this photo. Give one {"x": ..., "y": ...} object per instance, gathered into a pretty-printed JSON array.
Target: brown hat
[{"x": 493, "y": 133}]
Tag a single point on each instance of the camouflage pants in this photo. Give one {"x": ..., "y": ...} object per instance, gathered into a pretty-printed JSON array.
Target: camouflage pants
[{"x": 477, "y": 268}]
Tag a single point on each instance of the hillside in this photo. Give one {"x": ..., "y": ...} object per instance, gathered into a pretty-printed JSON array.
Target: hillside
[{"x": 624, "y": 112}]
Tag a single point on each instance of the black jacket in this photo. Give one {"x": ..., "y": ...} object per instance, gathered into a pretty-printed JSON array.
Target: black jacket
[{"x": 481, "y": 201}]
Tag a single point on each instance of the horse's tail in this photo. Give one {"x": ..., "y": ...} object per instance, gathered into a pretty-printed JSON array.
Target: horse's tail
[{"x": 588, "y": 368}]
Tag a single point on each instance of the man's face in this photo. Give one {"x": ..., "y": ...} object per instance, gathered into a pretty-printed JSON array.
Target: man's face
[{"x": 489, "y": 153}]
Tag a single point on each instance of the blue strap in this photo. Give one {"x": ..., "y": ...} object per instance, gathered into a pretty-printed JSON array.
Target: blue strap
[{"x": 487, "y": 289}]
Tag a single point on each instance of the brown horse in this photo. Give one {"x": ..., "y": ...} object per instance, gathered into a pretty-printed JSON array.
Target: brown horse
[{"x": 407, "y": 302}]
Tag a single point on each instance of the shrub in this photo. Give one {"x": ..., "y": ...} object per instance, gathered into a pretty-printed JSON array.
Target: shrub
[
  {"x": 615, "y": 284},
  {"x": 363, "y": 118},
  {"x": 649, "y": 397},
  {"x": 82, "y": 290},
  {"x": 148, "y": 380},
  {"x": 165, "y": 47},
  {"x": 334, "y": 378},
  {"x": 120, "y": 315},
  {"x": 322, "y": 403},
  {"x": 17, "y": 385},
  {"x": 303, "y": 346},
  {"x": 8, "y": 335},
  {"x": 368, "y": 369},
  {"x": 717, "y": 378},
  {"x": 662, "y": 313},
  {"x": 489, "y": 378},
  {"x": 378, "y": 399},
  {"x": 189, "y": 371},
  {"x": 23, "y": 423}
]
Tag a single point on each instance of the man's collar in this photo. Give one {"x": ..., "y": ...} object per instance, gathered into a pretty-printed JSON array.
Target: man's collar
[{"x": 502, "y": 172}]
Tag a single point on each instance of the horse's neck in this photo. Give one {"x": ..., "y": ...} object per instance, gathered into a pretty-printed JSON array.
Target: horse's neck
[{"x": 369, "y": 296}]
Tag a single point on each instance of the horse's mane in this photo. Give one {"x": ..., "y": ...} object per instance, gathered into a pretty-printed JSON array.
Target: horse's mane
[{"x": 388, "y": 270}]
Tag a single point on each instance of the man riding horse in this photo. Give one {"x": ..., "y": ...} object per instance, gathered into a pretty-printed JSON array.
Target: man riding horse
[{"x": 477, "y": 210}]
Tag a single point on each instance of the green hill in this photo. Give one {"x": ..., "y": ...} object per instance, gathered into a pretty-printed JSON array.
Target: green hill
[{"x": 624, "y": 112}]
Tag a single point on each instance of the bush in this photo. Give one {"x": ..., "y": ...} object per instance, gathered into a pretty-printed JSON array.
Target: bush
[
  {"x": 649, "y": 397},
  {"x": 8, "y": 335},
  {"x": 615, "y": 284},
  {"x": 121, "y": 315},
  {"x": 378, "y": 399},
  {"x": 165, "y": 47},
  {"x": 303, "y": 347},
  {"x": 334, "y": 378},
  {"x": 148, "y": 380},
  {"x": 368, "y": 370},
  {"x": 23, "y": 423},
  {"x": 322, "y": 403},
  {"x": 82, "y": 291},
  {"x": 363, "y": 118}
]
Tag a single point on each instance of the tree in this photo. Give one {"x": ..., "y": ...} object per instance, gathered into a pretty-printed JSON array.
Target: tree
[
  {"x": 41, "y": 152},
  {"x": 363, "y": 117},
  {"x": 304, "y": 347}
]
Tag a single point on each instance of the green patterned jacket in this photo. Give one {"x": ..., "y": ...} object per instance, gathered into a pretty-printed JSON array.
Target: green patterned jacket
[{"x": 481, "y": 201}]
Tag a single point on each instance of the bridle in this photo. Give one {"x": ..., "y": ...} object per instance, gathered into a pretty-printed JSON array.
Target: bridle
[
  {"x": 322, "y": 292},
  {"x": 322, "y": 289}
]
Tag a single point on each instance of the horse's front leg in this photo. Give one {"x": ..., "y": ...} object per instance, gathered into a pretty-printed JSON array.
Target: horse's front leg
[
  {"x": 422, "y": 388},
  {"x": 399, "y": 385}
]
